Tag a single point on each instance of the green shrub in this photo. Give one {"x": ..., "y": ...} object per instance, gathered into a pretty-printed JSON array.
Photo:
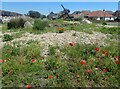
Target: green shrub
[
  {"x": 7, "y": 37},
  {"x": 78, "y": 19},
  {"x": 16, "y": 23},
  {"x": 39, "y": 25}
]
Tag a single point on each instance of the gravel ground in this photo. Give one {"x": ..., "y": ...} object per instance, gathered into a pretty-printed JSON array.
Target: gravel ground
[
  {"x": 60, "y": 39},
  {"x": 64, "y": 38}
]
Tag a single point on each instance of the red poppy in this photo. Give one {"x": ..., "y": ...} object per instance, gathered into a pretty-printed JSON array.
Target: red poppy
[
  {"x": 33, "y": 60},
  {"x": 104, "y": 70},
  {"x": 88, "y": 71},
  {"x": 82, "y": 62},
  {"x": 117, "y": 62},
  {"x": 97, "y": 49},
  {"x": 50, "y": 77},
  {"x": 1, "y": 61},
  {"x": 71, "y": 43},
  {"x": 116, "y": 57},
  {"x": 27, "y": 86}
]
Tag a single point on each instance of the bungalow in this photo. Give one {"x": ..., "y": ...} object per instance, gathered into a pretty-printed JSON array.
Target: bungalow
[
  {"x": 78, "y": 14},
  {"x": 52, "y": 16},
  {"x": 100, "y": 15}
]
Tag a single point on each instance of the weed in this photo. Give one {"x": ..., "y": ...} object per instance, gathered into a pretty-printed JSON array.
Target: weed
[{"x": 7, "y": 37}]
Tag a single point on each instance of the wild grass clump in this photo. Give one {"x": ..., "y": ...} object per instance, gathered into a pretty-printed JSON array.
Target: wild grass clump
[
  {"x": 39, "y": 24},
  {"x": 104, "y": 23},
  {"x": 7, "y": 37},
  {"x": 113, "y": 30},
  {"x": 16, "y": 23}
]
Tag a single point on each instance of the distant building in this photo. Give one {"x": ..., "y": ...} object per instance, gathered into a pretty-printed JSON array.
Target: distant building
[
  {"x": 100, "y": 15},
  {"x": 52, "y": 16},
  {"x": 82, "y": 14},
  {"x": 76, "y": 12},
  {"x": 117, "y": 15},
  {"x": 110, "y": 12}
]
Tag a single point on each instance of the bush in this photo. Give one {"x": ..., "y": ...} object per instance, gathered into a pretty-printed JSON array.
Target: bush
[
  {"x": 34, "y": 14},
  {"x": 78, "y": 19},
  {"x": 104, "y": 23},
  {"x": 7, "y": 37},
  {"x": 39, "y": 25},
  {"x": 15, "y": 23}
]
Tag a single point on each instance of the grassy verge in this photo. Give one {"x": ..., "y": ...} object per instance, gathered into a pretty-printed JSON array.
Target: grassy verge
[{"x": 78, "y": 65}]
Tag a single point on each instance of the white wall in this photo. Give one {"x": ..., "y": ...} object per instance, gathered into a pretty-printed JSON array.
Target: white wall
[
  {"x": 98, "y": 18},
  {"x": 108, "y": 18}
]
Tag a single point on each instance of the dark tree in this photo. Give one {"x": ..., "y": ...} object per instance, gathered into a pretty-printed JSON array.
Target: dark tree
[
  {"x": 34, "y": 14},
  {"x": 43, "y": 16}
]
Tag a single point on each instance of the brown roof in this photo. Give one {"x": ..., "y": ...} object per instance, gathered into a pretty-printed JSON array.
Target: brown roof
[
  {"x": 75, "y": 15},
  {"x": 99, "y": 14},
  {"x": 83, "y": 13}
]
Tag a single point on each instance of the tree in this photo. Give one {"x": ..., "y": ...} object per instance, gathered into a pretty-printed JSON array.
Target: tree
[
  {"x": 34, "y": 14},
  {"x": 43, "y": 16}
]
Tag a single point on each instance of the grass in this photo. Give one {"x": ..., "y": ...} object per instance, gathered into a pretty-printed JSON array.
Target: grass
[
  {"x": 26, "y": 66},
  {"x": 88, "y": 28},
  {"x": 18, "y": 70}
]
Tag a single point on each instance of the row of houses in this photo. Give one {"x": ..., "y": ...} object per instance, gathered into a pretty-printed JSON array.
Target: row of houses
[{"x": 94, "y": 15}]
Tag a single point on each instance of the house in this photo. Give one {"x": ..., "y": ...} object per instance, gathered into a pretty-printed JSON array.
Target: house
[
  {"x": 84, "y": 13},
  {"x": 110, "y": 12},
  {"x": 76, "y": 12},
  {"x": 100, "y": 15},
  {"x": 62, "y": 14},
  {"x": 52, "y": 16},
  {"x": 117, "y": 15}
]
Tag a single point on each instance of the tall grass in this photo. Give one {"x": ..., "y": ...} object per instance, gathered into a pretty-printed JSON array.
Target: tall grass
[{"x": 19, "y": 70}]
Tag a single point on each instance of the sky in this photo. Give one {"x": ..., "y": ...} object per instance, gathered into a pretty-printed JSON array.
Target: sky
[
  {"x": 60, "y": 0},
  {"x": 47, "y": 7}
]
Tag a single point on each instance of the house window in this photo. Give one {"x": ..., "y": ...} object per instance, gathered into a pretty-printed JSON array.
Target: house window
[{"x": 101, "y": 18}]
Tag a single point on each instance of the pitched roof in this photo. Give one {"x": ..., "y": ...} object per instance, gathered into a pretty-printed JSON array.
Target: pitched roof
[
  {"x": 82, "y": 14},
  {"x": 99, "y": 14},
  {"x": 117, "y": 13},
  {"x": 110, "y": 12},
  {"x": 85, "y": 12},
  {"x": 76, "y": 12}
]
